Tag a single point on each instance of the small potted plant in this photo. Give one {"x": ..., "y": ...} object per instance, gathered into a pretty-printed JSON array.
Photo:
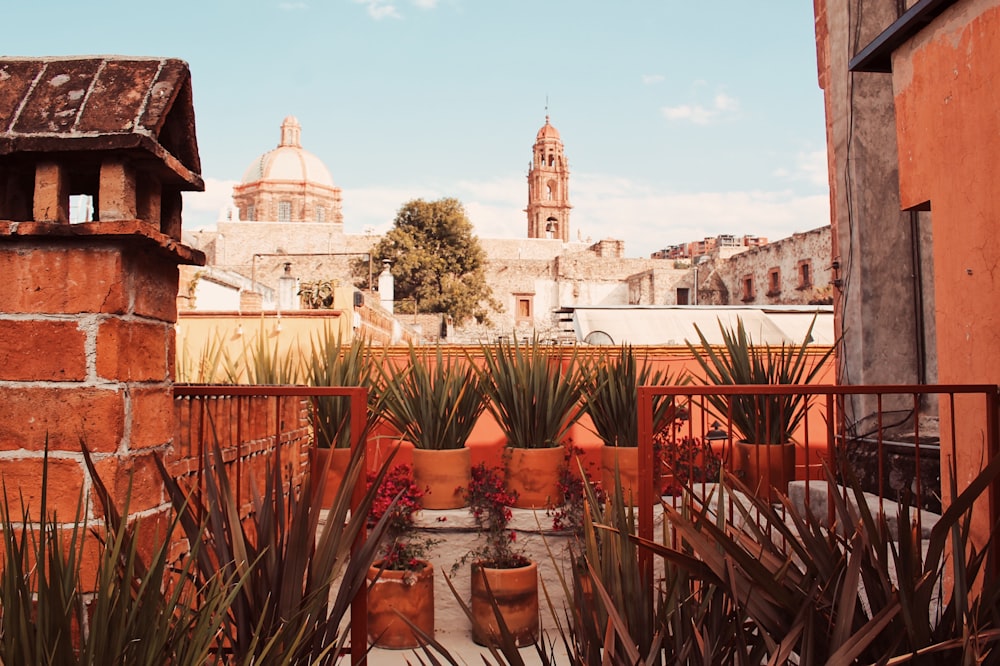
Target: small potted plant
[
  {"x": 534, "y": 395},
  {"x": 500, "y": 572},
  {"x": 434, "y": 404},
  {"x": 335, "y": 364},
  {"x": 765, "y": 423},
  {"x": 611, "y": 400},
  {"x": 401, "y": 581}
]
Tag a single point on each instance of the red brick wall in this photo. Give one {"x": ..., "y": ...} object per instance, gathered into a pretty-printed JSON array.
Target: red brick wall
[{"x": 86, "y": 356}]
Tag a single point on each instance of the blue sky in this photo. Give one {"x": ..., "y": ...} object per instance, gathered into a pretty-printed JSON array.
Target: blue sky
[{"x": 680, "y": 119}]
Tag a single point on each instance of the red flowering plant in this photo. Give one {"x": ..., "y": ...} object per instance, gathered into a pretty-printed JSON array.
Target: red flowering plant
[
  {"x": 572, "y": 479},
  {"x": 688, "y": 459},
  {"x": 403, "y": 547},
  {"x": 489, "y": 503}
]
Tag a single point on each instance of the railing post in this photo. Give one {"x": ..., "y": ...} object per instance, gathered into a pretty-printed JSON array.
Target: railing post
[
  {"x": 993, "y": 449},
  {"x": 359, "y": 605},
  {"x": 646, "y": 462}
]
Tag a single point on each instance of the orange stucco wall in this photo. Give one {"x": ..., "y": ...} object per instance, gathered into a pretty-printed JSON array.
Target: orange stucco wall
[{"x": 948, "y": 114}]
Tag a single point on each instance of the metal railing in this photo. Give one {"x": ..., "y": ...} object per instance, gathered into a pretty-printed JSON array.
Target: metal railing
[
  {"x": 247, "y": 442},
  {"x": 942, "y": 427}
]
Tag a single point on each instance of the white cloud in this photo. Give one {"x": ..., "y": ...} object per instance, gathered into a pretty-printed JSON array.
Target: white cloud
[
  {"x": 606, "y": 206},
  {"x": 722, "y": 105},
  {"x": 650, "y": 79},
  {"x": 380, "y": 9},
  {"x": 426, "y": 4},
  {"x": 292, "y": 6},
  {"x": 204, "y": 209},
  {"x": 810, "y": 167}
]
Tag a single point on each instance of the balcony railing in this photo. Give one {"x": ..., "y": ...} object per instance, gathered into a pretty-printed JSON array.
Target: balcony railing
[
  {"x": 896, "y": 439},
  {"x": 251, "y": 422}
]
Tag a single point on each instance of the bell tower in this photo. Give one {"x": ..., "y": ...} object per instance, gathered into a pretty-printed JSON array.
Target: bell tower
[{"x": 548, "y": 187}]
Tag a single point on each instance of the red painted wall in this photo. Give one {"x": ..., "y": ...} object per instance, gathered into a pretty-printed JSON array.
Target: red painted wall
[{"x": 948, "y": 128}]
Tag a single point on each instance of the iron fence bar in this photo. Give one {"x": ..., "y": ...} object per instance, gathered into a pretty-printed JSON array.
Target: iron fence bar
[
  {"x": 646, "y": 503},
  {"x": 358, "y": 397},
  {"x": 919, "y": 495},
  {"x": 992, "y": 450}
]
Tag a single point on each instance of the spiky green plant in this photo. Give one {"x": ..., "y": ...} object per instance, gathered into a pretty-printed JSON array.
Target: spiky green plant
[
  {"x": 759, "y": 418},
  {"x": 850, "y": 594},
  {"x": 265, "y": 363},
  {"x": 207, "y": 367},
  {"x": 293, "y": 580},
  {"x": 533, "y": 392},
  {"x": 131, "y": 611},
  {"x": 335, "y": 364},
  {"x": 611, "y": 396},
  {"x": 435, "y": 401}
]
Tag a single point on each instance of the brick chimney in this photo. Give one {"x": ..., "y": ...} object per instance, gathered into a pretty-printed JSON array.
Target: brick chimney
[{"x": 88, "y": 307}]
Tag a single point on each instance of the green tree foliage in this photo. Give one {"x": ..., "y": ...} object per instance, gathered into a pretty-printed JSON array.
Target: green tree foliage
[{"x": 437, "y": 262}]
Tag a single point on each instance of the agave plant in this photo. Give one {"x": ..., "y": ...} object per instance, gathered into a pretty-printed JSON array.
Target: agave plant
[
  {"x": 534, "y": 394},
  {"x": 434, "y": 402},
  {"x": 132, "y": 610},
  {"x": 335, "y": 364},
  {"x": 759, "y": 418},
  {"x": 611, "y": 397},
  {"x": 265, "y": 363},
  {"x": 292, "y": 581}
]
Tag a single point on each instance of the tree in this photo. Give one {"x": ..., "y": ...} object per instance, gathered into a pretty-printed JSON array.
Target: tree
[{"x": 436, "y": 261}]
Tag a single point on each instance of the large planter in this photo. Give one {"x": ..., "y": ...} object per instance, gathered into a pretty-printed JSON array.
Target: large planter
[
  {"x": 441, "y": 474},
  {"x": 767, "y": 468},
  {"x": 534, "y": 475},
  {"x": 395, "y": 593},
  {"x": 624, "y": 459},
  {"x": 516, "y": 595},
  {"x": 339, "y": 460}
]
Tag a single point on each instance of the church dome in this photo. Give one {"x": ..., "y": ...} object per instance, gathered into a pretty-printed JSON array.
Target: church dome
[
  {"x": 289, "y": 161},
  {"x": 547, "y": 131}
]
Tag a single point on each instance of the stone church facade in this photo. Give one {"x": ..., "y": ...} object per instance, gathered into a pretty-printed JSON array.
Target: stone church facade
[{"x": 287, "y": 220}]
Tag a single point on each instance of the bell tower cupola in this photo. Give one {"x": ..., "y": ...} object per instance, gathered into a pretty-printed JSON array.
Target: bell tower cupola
[{"x": 548, "y": 187}]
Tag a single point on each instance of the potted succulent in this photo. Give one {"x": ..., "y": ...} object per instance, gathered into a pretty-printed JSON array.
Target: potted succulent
[
  {"x": 335, "y": 364},
  {"x": 765, "y": 423},
  {"x": 611, "y": 399},
  {"x": 401, "y": 581},
  {"x": 501, "y": 574},
  {"x": 534, "y": 396},
  {"x": 434, "y": 403}
]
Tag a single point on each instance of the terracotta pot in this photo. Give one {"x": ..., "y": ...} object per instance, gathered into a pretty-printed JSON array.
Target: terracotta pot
[
  {"x": 441, "y": 474},
  {"x": 339, "y": 459},
  {"x": 391, "y": 593},
  {"x": 516, "y": 594},
  {"x": 534, "y": 475},
  {"x": 767, "y": 468},
  {"x": 625, "y": 459}
]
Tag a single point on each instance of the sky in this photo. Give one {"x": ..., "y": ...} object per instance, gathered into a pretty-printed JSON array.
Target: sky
[{"x": 680, "y": 119}]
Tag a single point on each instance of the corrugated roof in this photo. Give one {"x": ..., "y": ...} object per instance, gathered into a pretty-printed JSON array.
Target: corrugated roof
[
  {"x": 672, "y": 325},
  {"x": 101, "y": 103}
]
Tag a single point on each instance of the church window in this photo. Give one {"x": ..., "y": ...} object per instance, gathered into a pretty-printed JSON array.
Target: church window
[
  {"x": 251, "y": 213},
  {"x": 523, "y": 309},
  {"x": 550, "y": 191},
  {"x": 748, "y": 294},
  {"x": 552, "y": 159},
  {"x": 320, "y": 214},
  {"x": 805, "y": 274},
  {"x": 284, "y": 211},
  {"x": 774, "y": 282}
]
